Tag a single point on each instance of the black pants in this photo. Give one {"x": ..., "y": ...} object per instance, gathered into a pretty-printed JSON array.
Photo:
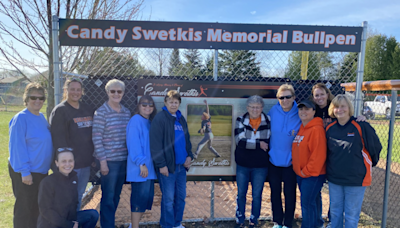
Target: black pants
[
  {"x": 277, "y": 175},
  {"x": 26, "y": 209}
]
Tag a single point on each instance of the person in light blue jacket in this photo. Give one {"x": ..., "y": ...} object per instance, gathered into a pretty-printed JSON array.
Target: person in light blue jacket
[
  {"x": 285, "y": 123},
  {"x": 30, "y": 149},
  {"x": 140, "y": 169}
]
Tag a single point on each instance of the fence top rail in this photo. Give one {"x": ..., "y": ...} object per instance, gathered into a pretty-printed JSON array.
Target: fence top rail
[{"x": 374, "y": 85}]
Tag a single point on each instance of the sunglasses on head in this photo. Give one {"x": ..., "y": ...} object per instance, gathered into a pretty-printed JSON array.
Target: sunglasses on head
[
  {"x": 285, "y": 97},
  {"x": 63, "y": 149},
  {"x": 34, "y": 98},
  {"x": 116, "y": 91},
  {"x": 147, "y": 104}
]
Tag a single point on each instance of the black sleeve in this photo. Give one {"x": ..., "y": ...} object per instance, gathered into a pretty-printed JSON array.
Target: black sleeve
[
  {"x": 45, "y": 201},
  {"x": 371, "y": 141},
  {"x": 58, "y": 128},
  {"x": 157, "y": 132}
]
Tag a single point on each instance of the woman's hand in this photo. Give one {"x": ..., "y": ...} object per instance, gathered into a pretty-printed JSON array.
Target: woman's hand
[
  {"x": 361, "y": 118},
  {"x": 264, "y": 146},
  {"x": 164, "y": 171},
  {"x": 187, "y": 162},
  {"x": 27, "y": 179},
  {"x": 104, "y": 168},
  {"x": 76, "y": 224},
  {"x": 144, "y": 172}
]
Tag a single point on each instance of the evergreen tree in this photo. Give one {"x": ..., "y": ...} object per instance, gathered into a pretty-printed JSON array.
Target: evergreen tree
[
  {"x": 175, "y": 64},
  {"x": 239, "y": 63},
  {"x": 192, "y": 63},
  {"x": 293, "y": 70},
  {"x": 348, "y": 68},
  {"x": 395, "y": 68}
]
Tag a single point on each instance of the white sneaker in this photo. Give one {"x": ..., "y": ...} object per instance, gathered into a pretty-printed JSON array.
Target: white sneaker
[
  {"x": 276, "y": 225},
  {"x": 180, "y": 226}
]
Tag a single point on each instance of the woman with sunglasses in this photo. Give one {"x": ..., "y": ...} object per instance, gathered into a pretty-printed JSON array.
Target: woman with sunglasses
[
  {"x": 285, "y": 124},
  {"x": 140, "y": 168},
  {"x": 30, "y": 155},
  {"x": 109, "y": 139},
  {"x": 71, "y": 126},
  {"x": 58, "y": 196}
]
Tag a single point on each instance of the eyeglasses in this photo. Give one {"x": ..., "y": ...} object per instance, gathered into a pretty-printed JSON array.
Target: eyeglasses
[
  {"x": 285, "y": 97},
  {"x": 255, "y": 107},
  {"x": 34, "y": 98},
  {"x": 147, "y": 104},
  {"x": 116, "y": 91},
  {"x": 63, "y": 149}
]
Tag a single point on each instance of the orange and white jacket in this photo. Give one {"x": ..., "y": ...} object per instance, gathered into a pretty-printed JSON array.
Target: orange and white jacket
[{"x": 309, "y": 149}]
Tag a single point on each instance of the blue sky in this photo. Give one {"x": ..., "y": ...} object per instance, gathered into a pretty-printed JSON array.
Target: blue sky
[{"x": 382, "y": 16}]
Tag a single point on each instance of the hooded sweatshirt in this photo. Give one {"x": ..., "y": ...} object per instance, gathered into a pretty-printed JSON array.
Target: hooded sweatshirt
[
  {"x": 284, "y": 127},
  {"x": 309, "y": 149}
]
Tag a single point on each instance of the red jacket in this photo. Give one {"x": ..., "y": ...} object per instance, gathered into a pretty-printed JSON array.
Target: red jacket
[{"x": 309, "y": 149}]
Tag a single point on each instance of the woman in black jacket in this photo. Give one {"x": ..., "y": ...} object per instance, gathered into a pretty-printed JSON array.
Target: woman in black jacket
[{"x": 58, "y": 197}]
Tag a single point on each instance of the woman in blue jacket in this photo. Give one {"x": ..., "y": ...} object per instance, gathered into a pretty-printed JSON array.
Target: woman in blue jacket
[
  {"x": 285, "y": 123},
  {"x": 30, "y": 156},
  {"x": 140, "y": 169}
]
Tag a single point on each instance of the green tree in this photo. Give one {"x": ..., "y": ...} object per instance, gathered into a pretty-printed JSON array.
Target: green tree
[
  {"x": 192, "y": 64},
  {"x": 208, "y": 69},
  {"x": 176, "y": 67},
  {"x": 107, "y": 61},
  {"x": 239, "y": 63},
  {"x": 379, "y": 58},
  {"x": 396, "y": 62},
  {"x": 348, "y": 68},
  {"x": 293, "y": 70}
]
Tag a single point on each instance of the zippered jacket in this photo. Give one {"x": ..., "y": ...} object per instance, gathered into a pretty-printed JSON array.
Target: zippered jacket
[{"x": 353, "y": 149}]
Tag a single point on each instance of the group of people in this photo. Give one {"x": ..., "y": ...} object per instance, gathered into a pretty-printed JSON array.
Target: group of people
[
  {"x": 76, "y": 136},
  {"x": 304, "y": 145},
  {"x": 297, "y": 144}
]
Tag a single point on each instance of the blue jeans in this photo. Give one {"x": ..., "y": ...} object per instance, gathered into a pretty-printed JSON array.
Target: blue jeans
[
  {"x": 173, "y": 190},
  {"x": 87, "y": 218},
  {"x": 311, "y": 203},
  {"x": 111, "y": 186},
  {"x": 83, "y": 175},
  {"x": 257, "y": 178},
  {"x": 347, "y": 200}
]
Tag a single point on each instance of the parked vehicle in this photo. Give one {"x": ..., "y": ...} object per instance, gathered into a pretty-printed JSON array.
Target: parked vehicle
[
  {"x": 382, "y": 105},
  {"x": 368, "y": 113}
]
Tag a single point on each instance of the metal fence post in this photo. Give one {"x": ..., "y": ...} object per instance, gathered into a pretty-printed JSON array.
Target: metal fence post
[
  {"x": 215, "y": 76},
  {"x": 389, "y": 157},
  {"x": 360, "y": 71},
  {"x": 56, "y": 62}
]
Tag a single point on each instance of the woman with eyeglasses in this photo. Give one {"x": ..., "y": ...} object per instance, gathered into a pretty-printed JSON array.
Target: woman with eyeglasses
[
  {"x": 58, "y": 196},
  {"x": 206, "y": 131},
  {"x": 30, "y": 150},
  {"x": 252, "y": 133},
  {"x": 140, "y": 167},
  {"x": 285, "y": 124},
  {"x": 71, "y": 126},
  {"x": 109, "y": 139}
]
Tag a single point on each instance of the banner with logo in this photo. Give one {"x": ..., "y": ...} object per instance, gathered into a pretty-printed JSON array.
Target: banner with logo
[
  {"x": 212, "y": 135},
  {"x": 190, "y": 35}
]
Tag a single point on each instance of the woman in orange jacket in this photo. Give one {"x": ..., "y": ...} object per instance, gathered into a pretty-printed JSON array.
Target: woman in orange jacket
[{"x": 308, "y": 159}]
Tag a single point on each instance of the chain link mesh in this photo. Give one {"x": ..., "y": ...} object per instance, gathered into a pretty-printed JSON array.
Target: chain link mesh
[{"x": 128, "y": 64}]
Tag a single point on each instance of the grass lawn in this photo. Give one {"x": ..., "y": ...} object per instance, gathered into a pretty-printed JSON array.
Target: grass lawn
[
  {"x": 382, "y": 130},
  {"x": 6, "y": 195}
]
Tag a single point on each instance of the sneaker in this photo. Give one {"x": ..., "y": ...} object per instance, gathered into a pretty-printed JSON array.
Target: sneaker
[
  {"x": 239, "y": 225},
  {"x": 276, "y": 225},
  {"x": 180, "y": 226},
  {"x": 328, "y": 225}
]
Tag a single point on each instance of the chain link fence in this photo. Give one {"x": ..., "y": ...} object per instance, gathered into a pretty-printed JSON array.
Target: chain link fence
[{"x": 129, "y": 64}]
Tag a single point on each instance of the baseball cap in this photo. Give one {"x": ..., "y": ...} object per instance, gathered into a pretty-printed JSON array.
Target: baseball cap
[{"x": 306, "y": 103}]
